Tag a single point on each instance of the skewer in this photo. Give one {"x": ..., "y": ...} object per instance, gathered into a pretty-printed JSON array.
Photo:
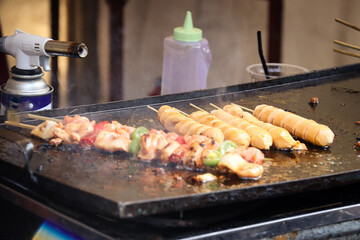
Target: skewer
[
  {"x": 181, "y": 112},
  {"x": 248, "y": 109},
  {"x": 347, "y": 45},
  {"x": 21, "y": 125},
  {"x": 12, "y": 115},
  {"x": 33, "y": 116},
  {"x": 213, "y": 105},
  {"x": 347, "y": 24},
  {"x": 346, "y": 53},
  {"x": 150, "y": 107},
  {"x": 194, "y": 106}
]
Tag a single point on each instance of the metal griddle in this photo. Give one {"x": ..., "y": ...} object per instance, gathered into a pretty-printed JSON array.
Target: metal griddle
[{"x": 120, "y": 186}]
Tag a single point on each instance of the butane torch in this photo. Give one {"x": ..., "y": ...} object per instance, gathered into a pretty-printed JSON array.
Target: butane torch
[{"x": 26, "y": 90}]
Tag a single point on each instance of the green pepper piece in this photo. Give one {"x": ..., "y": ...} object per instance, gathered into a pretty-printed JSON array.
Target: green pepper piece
[
  {"x": 139, "y": 132},
  {"x": 227, "y": 145},
  {"x": 213, "y": 158},
  {"x": 134, "y": 146}
]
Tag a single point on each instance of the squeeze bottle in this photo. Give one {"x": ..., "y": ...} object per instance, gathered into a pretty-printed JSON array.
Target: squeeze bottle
[{"x": 187, "y": 59}]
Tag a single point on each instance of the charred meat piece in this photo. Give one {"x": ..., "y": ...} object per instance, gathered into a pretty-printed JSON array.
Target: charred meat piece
[
  {"x": 206, "y": 177},
  {"x": 112, "y": 141},
  {"x": 45, "y": 130},
  {"x": 314, "y": 101}
]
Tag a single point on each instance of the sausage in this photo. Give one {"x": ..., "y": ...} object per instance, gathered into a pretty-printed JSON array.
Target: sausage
[
  {"x": 258, "y": 110},
  {"x": 303, "y": 128},
  {"x": 173, "y": 120},
  {"x": 264, "y": 113},
  {"x": 238, "y": 112},
  {"x": 279, "y": 119},
  {"x": 281, "y": 137},
  {"x": 240, "y": 137},
  {"x": 172, "y": 117},
  {"x": 260, "y": 138}
]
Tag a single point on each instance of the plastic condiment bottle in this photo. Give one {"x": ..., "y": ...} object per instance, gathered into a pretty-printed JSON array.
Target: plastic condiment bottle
[{"x": 187, "y": 59}]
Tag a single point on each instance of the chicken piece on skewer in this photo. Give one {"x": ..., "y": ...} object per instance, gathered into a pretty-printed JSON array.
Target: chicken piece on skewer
[
  {"x": 77, "y": 124},
  {"x": 117, "y": 127},
  {"x": 150, "y": 145},
  {"x": 44, "y": 130},
  {"x": 50, "y": 130},
  {"x": 112, "y": 141},
  {"x": 168, "y": 150},
  {"x": 70, "y": 131},
  {"x": 114, "y": 137},
  {"x": 193, "y": 149},
  {"x": 63, "y": 136}
]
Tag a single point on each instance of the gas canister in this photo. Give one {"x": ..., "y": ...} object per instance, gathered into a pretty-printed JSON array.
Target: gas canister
[{"x": 26, "y": 90}]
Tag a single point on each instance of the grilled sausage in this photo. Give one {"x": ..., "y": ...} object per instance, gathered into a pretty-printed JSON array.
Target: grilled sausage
[
  {"x": 303, "y": 128},
  {"x": 238, "y": 112},
  {"x": 236, "y": 135},
  {"x": 172, "y": 117},
  {"x": 260, "y": 138},
  {"x": 281, "y": 137},
  {"x": 173, "y": 120}
]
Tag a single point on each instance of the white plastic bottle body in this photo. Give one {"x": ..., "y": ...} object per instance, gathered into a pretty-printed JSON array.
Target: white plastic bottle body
[{"x": 186, "y": 65}]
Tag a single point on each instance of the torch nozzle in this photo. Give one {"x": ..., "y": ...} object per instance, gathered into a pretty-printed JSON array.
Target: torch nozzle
[{"x": 68, "y": 49}]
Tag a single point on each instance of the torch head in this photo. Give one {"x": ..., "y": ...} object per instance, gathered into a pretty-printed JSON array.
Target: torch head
[{"x": 32, "y": 51}]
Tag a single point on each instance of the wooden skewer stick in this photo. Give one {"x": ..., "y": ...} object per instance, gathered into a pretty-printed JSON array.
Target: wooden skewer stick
[
  {"x": 347, "y": 45},
  {"x": 213, "y": 105},
  {"x": 347, "y": 24},
  {"x": 248, "y": 109},
  {"x": 346, "y": 53},
  {"x": 21, "y": 125},
  {"x": 182, "y": 112},
  {"x": 198, "y": 108},
  {"x": 150, "y": 107},
  {"x": 33, "y": 116}
]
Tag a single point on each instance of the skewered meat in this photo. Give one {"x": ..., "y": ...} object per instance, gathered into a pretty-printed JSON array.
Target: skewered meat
[
  {"x": 78, "y": 124},
  {"x": 117, "y": 127},
  {"x": 66, "y": 137},
  {"x": 112, "y": 141},
  {"x": 44, "y": 130},
  {"x": 303, "y": 128},
  {"x": 150, "y": 144},
  {"x": 234, "y": 134},
  {"x": 260, "y": 138},
  {"x": 167, "y": 147},
  {"x": 191, "y": 150},
  {"x": 172, "y": 120},
  {"x": 281, "y": 137}
]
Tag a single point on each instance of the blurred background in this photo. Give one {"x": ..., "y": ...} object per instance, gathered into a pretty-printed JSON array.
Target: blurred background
[{"x": 125, "y": 40}]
